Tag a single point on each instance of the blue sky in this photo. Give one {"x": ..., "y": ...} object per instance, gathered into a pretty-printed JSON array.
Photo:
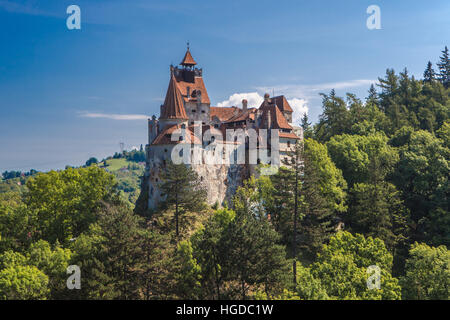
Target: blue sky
[{"x": 66, "y": 95}]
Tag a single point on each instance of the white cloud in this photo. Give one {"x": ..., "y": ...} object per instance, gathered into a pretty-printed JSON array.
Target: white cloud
[
  {"x": 254, "y": 100},
  {"x": 300, "y": 107},
  {"x": 114, "y": 116}
]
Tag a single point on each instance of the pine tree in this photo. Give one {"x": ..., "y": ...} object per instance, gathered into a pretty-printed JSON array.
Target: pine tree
[
  {"x": 429, "y": 75},
  {"x": 373, "y": 95},
  {"x": 306, "y": 126},
  {"x": 444, "y": 68},
  {"x": 156, "y": 266},
  {"x": 254, "y": 257},
  {"x": 334, "y": 118},
  {"x": 317, "y": 223},
  {"x": 109, "y": 255},
  {"x": 183, "y": 191}
]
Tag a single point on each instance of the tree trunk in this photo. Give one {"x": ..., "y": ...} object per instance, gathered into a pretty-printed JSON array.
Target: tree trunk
[{"x": 294, "y": 238}]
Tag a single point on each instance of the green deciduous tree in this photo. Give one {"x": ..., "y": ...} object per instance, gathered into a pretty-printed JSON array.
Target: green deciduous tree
[
  {"x": 427, "y": 274},
  {"x": 342, "y": 268},
  {"x": 62, "y": 205},
  {"x": 422, "y": 174}
]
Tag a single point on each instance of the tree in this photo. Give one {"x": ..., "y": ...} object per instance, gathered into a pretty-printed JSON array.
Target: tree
[
  {"x": 91, "y": 161},
  {"x": 53, "y": 262},
  {"x": 422, "y": 176},
  {"x": 62, "y": 205},
  {"x": 187, "y": 273},
  {"x": 19, "y": 282},
  {"x": 342, "y": 268},
  {"x": 323, "y": 197},
  {"x": 306, "y": 126},
  {"x": 308, "y": 287},
  {"x": 334, "y": 118},
  {"x": 429, "y": 74},
  {"x": 110, "y": 256},
  {"x": 427, "y": 274},
  {"x": 377, "y": 210},
  {"x": 211, "y": 254},
  {"x": 362, "y": 158},
  {"x": 444, "y": 68},
  {"x": 183, "y": 191},
  {"x": 156, "y": 269},
  {"x": 373, "y": 95},
  {"x": 254, "y": 257},
  {"x": 295, "y": 164}
]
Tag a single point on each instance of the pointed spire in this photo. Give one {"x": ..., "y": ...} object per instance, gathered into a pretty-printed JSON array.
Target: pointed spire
[
  {"x": 173, "y": 104},
  {"x": 188, "y": 60}
]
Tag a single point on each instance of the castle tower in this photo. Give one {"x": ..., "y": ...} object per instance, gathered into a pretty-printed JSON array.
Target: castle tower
[
  {"x": 189, "y": 80},
  {"x": 172, "y": 111}
]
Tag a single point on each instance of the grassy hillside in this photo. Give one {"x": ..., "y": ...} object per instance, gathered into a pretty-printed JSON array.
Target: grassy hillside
[{"x": 128, "y": 175}]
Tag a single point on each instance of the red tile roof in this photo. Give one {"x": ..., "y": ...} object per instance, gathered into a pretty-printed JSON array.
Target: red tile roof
[
  {"x": 282, "y": 103},
  {"x": 224, "y": 113},
  {"x": 277, "y": 118},
  {"x": 173, "y": 104},
  {"x": 197, "y": 85},
  {"x": 188, "y": 60},
  {"x": 290, "y": 135},
  {"x": 243, "y": 115},
  {"x": 165, "y": 137}
]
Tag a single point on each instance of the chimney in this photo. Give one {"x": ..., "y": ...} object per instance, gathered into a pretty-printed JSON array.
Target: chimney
[
  {"x": 266, "y": 99},
  {"x": 244, "y": 105}
]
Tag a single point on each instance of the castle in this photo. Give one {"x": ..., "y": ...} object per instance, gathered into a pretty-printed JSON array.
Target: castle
[{"x": 187, "y": 113}]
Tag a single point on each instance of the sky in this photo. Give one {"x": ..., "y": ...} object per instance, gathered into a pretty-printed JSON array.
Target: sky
[{"x": 67, "y": 95}]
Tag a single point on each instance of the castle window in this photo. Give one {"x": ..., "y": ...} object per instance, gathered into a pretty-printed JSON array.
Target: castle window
[
  {"x": 216, "y": 126},
  {"x": 203, "y": 123},
  {"x": 289, "y": 144},
  {"x": 183, "y": 126},
  {"x": 180, "y": 138},
  {"x": 201, "y": 178},
  {"x": 193, "y": 110},
  {"x": 192, "y": 122},
  {"x": 181, "y": 153},
  {"x": 165, "y": 150},
  {"x": 203, "y": 111}
]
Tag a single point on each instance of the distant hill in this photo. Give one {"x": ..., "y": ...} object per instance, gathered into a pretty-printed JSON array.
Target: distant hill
[
  {"x": 125, "y": 167},
  {"x": 128, "y": 174}
]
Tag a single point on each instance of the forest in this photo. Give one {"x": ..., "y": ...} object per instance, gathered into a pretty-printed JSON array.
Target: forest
[{"x": 365, "y": 194}]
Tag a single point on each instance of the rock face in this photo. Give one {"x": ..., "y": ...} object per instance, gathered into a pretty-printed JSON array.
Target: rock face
[{"x": 220, "y": 181}]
